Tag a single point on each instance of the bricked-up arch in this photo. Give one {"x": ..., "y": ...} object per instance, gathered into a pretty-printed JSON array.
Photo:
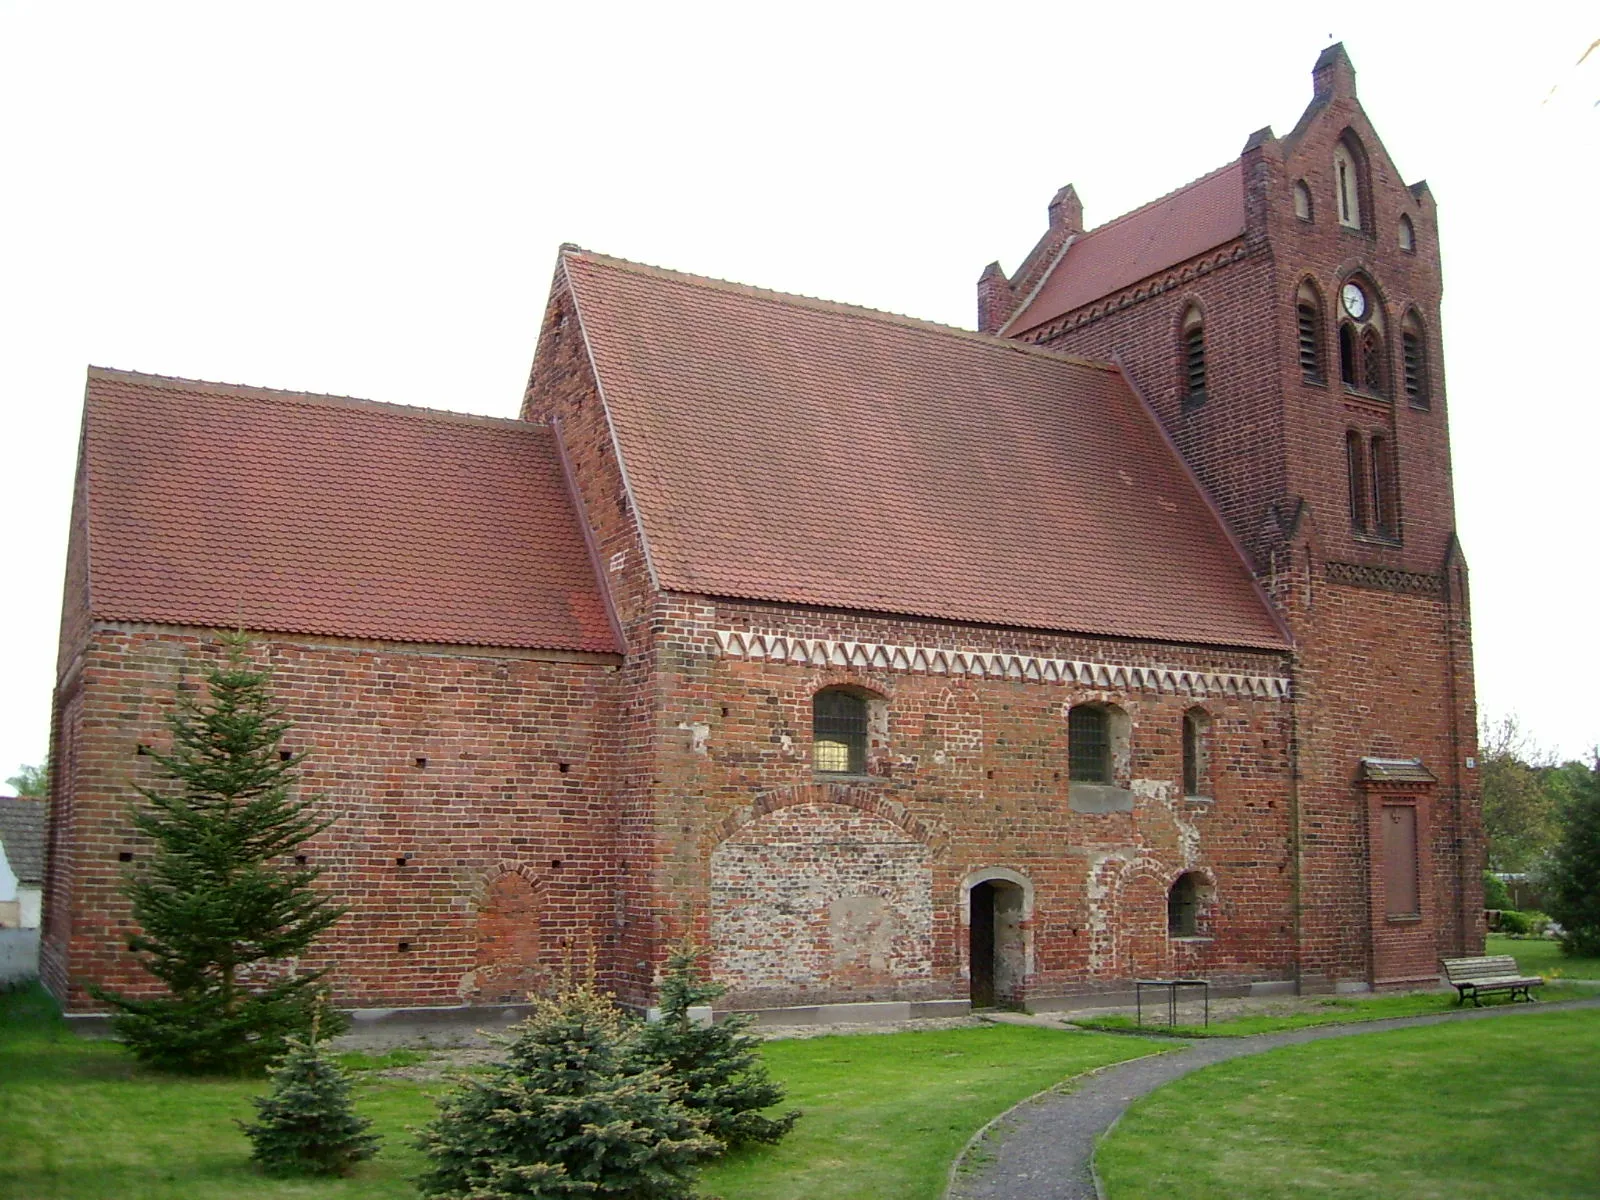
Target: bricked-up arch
[
  {"x": 506, "y": 941},
  {"x": 815, "y": 901}
]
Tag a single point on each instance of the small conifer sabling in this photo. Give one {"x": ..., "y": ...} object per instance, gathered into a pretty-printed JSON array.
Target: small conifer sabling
[{"x": 306, "y": 1124}]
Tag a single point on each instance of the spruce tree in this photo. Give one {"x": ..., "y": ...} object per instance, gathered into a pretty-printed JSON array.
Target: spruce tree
[
  {"x": 217, "y": 906},
  {"x": 719, "y": 1065},
  {"x": 307, "y": 1124},
  {"x": 564, "y": 1116},
  {"x": 1573, "y": 876}
]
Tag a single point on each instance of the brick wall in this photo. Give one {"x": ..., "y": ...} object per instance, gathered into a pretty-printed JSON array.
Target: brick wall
[{"x": 513, "y": 784}]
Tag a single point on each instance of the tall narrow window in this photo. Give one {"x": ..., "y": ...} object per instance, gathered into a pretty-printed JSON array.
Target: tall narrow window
[
  {"x": 1414, "y": 353},
  {"x": 1355, "y": 465},
  {"x": 1347, "y": 355},
  {"x": 1382, "y": 477},
  {"x": 1194, "y": 357},
  {"x": 839, "y": 732},
  {"x": 1308, "y": 314},
  {"x": 1194, "y": 732},
  {"x": 1374, "y": 370},
  {"x": 1183, "y": 906},
  {"x": 1089, "y": 744},
  {"x": 1408, "y": 234}
]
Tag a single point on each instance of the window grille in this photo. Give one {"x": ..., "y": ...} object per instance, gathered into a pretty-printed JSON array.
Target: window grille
[
  {"x": 839, "y": 733},
  {"x": 1310, "y": 345},
  {"x": 1089, "y": 744},
  {"x": 1183, "y": 907}
]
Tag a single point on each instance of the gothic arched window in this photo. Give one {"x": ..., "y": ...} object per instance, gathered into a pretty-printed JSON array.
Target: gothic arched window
[
  {"x": 1414, "y": 361},
  {"x": 1408, "y": 234},
  {"x": 1363, "y": 352},
  {"x": 1349, "y": 183},
  {"x": 1193, "y": 351},
  {"x": 1308, "y": 316},
  {"x": 1302, "y": 200}
]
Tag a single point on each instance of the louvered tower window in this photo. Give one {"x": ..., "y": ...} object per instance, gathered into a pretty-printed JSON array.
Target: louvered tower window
[
  {"x": 1414, "y": 355},
  {"x": 1194, "y": 357},
  {"x": 1308, "y": 316}
]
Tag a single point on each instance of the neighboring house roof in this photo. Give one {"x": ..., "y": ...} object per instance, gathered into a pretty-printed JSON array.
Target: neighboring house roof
[
  {"x": 22, "y": 837},
  {"x": 216, "y": 505},
  {"x": 1162, "y": 234},
  {"x": 786, "y": 449}
]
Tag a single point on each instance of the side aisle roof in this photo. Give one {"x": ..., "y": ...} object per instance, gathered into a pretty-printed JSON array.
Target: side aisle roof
[
  {"x": 217, "y": 505},
  {"x": 792, "y": 450}
]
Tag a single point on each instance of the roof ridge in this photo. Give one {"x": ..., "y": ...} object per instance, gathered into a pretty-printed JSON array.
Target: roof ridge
[
  {"x": 793, "y": 299},
  {"x": 178, "y": 383},
  {"x": 1149, "y": 204}
]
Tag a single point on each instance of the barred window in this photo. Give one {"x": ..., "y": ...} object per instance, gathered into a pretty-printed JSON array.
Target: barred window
[
  {"x": 1089, "y": 744},
  {"x": 839, "y": 732}
]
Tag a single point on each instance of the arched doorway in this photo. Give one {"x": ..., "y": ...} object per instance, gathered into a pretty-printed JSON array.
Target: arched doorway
[{"x": 997, "y": 943}]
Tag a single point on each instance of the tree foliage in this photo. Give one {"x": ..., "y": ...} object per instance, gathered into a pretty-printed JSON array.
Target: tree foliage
[
  {"x": 32, "y": 783},
  {"x": 567, "y": 1114},
  {"x": 1573, "y": 875},
  {"x": 719, "y": 1065},
  {"x": 219, "y": 912},
  {"x": 307, "y": 1124},
  {"x": 1519, "y": 805}
]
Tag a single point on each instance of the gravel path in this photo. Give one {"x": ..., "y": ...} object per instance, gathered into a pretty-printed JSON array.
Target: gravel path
[{"x": 1043, "y": 1149}]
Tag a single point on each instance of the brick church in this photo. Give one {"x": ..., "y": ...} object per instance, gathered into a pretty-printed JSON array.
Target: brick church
[{"x": 904, "y": 665}]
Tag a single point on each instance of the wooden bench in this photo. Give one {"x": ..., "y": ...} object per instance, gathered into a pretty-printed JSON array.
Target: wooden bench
[{"x": 1494, "y": 973}]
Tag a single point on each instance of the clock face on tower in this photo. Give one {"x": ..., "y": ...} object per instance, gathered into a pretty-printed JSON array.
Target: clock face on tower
[{"x": 1355, "y": 300}]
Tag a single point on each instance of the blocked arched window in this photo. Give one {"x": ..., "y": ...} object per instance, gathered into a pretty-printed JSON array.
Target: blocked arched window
[
  {"x": 1192, "y": 351},
  {"x": 1302, "y": 200},
  {"x": 839, "y": 732},
  {"x": 1308, "y": 316},
  {"x": 1184, "y": 900},
  {"x": 1350, "y": 183},
  {"x": 1414, "y": 361},
  {"x": 1356, "y": 467},
  {"x": 1089, "y": 744},
  {"x": 1408, "y": 234}
]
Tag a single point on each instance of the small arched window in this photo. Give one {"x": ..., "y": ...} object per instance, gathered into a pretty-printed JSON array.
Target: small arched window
[
  {"x": 1308, "y": 315},
  {"x": 1302, "y": 200},
  {"x": 1183, "y": 905},
  {"x": 1408, "y": 234},
  {"x": 1414, "y": 356},
  {"x": 1355, "y": 465},
  {"x": 1193, "y": 352},
  {"x": 1363, "y": 357},
  {"x": 1347, "y": 184},
  {"x": 1089, "y": 744},
  {"x": 839, "y": 732},
  {"x": 1195, "y": 727}
]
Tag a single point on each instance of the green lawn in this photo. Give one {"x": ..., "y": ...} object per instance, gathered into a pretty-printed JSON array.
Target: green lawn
[
  {"x": 885, "y": 1115},
  {"x": 1542, "y": 956},
  {"x": 1465, "y": 1110},
  {"x": 1331, "y": 1010}
]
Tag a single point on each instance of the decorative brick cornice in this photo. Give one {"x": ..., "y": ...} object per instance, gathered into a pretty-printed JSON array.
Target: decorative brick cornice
[
  {"x": 983, "y": 664},
  {"x": 1384, "y": 579},
  {"x": 1147, "y": 290}
]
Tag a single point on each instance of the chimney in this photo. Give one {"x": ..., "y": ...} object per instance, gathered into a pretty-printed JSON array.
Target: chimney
[
  {"x": 996, "y": 298},
  {"x": 1334, "y": 75},
  {"x": 1066, "y": 210}
]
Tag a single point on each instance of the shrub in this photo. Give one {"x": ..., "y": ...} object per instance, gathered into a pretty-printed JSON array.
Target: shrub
[
  {"x": 1524, "y": 924},
  {"x": 307, "y": 1123},
  {"x": 565, "y": 1115},
  {"x": 1495, "y": 893},
  {"x": 719, "y": 1065}
]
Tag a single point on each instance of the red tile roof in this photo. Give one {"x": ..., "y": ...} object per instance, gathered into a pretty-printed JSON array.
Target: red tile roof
[
  {"x": 787, "y": 449},
  {"x": 1165, "y": 232},
  {"x": 217, "y": 505}
]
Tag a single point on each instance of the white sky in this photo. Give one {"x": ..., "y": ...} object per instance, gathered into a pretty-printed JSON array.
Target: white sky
[{"x": 366, "y": 199}]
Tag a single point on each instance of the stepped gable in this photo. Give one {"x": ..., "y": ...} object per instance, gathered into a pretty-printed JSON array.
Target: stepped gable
[
  {"x": 1197, "y": 217},
  {"x": 216, "y": 505},
  {"x": 787, "y": 449}
]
